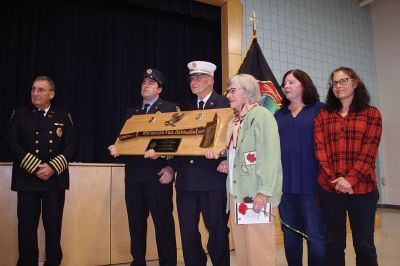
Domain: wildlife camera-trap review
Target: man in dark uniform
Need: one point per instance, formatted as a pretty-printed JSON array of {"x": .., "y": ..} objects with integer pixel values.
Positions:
[
  {"x": 199, "y": 186},
  {"x": 42, "y": 139},
  {"x": 148, "y": 183}
]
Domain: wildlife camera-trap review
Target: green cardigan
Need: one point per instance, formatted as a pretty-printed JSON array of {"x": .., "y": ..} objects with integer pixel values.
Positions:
[{"x": 259, "y": 134}]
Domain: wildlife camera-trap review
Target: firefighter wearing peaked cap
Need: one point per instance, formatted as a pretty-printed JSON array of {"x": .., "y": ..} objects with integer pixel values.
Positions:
[
  {"x": 148, "y": 183},
  {"x": 199, "y": 186},
  {"x": 201, "y": 67},
  {"x": 42, "y": 139},
  {"x": 155, "y": 75}
]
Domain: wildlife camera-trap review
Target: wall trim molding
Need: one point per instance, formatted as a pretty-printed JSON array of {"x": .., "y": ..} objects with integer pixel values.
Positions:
[
  {"x": 389, "y": 206},
  {"x": 231, "y": 36}
]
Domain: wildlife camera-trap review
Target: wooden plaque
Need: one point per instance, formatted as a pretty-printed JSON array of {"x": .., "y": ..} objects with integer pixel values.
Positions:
[{"x": 177, "y": 133}]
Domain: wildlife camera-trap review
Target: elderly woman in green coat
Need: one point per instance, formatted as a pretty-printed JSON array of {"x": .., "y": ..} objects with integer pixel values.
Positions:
[{"x": 254, "y": 170}]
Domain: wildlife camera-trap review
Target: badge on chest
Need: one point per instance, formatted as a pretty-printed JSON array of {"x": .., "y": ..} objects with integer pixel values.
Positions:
[{"x": 250, "y": 157}]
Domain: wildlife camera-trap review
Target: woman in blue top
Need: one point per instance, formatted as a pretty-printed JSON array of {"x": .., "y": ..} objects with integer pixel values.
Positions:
[{"x": 299, "y": 206}]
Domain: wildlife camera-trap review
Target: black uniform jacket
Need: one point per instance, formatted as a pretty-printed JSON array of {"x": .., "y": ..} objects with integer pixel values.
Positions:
[
  {"x": 34, "y": 139},
  {"x": 197, "y": 173},
  {"x": 137, "y": 168}
]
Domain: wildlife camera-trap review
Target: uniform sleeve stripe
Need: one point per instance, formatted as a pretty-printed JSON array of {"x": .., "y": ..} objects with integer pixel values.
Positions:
[
  {"x": 29, "y": 163},
  {"x": 26, "y": 157},
  {"x": 34, "y": 166},
  {"x": 55, "y": 164},
  {"x": 63, "y": 161},
  {"x": 59, "y": 163}
]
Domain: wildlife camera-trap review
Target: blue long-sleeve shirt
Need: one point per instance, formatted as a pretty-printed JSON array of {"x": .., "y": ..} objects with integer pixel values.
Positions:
[{"x": 299, "y": 164}]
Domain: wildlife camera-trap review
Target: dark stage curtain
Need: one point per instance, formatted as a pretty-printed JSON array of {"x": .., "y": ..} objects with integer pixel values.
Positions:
[{"x": 96, "y": 52}]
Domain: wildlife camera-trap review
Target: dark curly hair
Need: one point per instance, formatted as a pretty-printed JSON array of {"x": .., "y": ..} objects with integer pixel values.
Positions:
[
  {"x": 361, "y": 98},
  {"x": 310, "y": 93}
]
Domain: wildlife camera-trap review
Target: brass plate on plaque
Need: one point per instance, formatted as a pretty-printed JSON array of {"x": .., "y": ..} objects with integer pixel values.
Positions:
[
  {"x": 164, "y": 145},
  {"x": 197, "y": 130}
]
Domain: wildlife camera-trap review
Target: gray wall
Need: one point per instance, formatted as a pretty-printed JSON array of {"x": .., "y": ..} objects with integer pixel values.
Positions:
[{"x": 386, "y": 25}]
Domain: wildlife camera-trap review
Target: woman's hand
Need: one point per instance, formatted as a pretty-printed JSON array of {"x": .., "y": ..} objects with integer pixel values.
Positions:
[
  {"x": 342, "y": 185},
  {"x": 151, "y": 154},
  {"x": 259, "y": 202}
]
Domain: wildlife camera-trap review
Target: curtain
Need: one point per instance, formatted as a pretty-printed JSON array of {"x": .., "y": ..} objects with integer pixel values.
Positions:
[{"x": 96, "y": 52}]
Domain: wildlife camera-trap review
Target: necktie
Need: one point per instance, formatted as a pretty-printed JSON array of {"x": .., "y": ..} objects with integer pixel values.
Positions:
[
  {"x": 144, "y": 110},
  {"x": 41, "y": 113},
  {"x": 201, "y": 105}
]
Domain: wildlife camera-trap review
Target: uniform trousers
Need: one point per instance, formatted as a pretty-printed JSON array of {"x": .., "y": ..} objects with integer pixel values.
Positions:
[
  {"x": 212, "y": 205},
  {"x": 255, "y": 244},
  {"x": 29, "y": 206},
  {"x": 156, "y": 198}
]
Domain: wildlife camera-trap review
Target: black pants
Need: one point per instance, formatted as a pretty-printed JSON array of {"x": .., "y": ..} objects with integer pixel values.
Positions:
[
  {"x": 212, "y": 205},
  {"x": 30, "y": 205},
  {"x": 141, "y": 198},
  {"x": 361, "y": 209}
]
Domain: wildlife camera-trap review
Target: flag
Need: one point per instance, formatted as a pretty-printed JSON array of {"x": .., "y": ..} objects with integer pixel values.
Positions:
[{"x": 254, "y": 63}]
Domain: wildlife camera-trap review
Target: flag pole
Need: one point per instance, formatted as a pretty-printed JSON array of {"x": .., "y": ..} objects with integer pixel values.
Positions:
[{"x": 253, "y": 20}]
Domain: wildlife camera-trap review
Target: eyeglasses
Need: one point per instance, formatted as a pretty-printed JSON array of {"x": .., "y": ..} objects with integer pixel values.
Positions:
[
  {"x": 231, "y": 91},
  {"x": 342, "y": 81},
  {"x": 39, "y": 90},
  {"x": 196, "y": 77}
]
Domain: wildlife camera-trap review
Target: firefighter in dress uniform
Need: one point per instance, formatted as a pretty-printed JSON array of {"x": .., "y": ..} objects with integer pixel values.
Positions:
[{"x": 41, "y": 138}]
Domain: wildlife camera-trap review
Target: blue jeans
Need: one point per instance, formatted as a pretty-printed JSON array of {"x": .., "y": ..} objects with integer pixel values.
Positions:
[
  {"x": 302, "y": 213},
  {"x": 361, "y": 210}
]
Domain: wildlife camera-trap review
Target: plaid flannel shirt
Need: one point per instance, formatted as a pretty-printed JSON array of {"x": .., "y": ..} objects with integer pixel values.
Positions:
[{"x": 348, "y": 147}]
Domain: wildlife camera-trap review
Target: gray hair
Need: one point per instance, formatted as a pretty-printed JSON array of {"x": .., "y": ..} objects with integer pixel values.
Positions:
[
  {"x": 52, "y": 85},
  {"x": 250, "y": 86}
]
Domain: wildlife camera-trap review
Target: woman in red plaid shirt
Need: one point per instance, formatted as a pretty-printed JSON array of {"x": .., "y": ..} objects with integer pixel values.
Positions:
[{"x": 347, "y": 133}]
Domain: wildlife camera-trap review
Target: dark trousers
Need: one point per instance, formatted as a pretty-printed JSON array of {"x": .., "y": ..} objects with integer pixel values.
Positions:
[
  {"x": 302, "y": 213},
  {"x": 156, "y": 198},
  {"x": 30, "y": 205},
  {"x": 212, "y": 205},
  {"x": 361, "y": 210}
]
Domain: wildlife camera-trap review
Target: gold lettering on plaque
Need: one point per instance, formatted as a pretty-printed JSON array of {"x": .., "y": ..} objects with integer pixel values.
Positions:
[{"x": 208, "y": 132}]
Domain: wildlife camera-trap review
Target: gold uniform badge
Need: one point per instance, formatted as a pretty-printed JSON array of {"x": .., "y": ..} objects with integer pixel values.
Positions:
[{"x": 59, "y": 132}]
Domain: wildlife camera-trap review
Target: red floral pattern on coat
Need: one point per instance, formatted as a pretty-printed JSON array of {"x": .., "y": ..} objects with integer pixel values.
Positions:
[{"x": 251, "y": 157}]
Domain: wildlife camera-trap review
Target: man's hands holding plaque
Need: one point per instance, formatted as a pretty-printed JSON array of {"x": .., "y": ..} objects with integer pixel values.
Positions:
[
  {"x": 211, "y": 154},
  {"x": 113, "y": 151},
  {"x": 223, "y": 165},
  {"x": 151, "y": 154}
]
